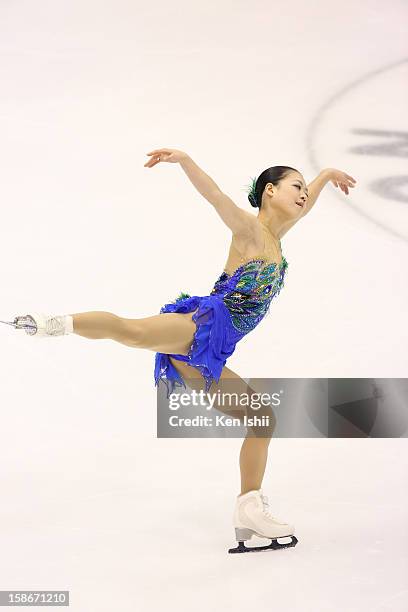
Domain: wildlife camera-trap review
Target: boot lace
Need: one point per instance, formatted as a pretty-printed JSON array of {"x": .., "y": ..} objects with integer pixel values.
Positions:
[
  {"x": 266, "y": 507},
  {"x": 54, "y": 326}
]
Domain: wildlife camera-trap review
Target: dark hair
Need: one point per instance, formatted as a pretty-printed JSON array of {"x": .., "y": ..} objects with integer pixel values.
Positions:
[{"x": 271, "y": 175}]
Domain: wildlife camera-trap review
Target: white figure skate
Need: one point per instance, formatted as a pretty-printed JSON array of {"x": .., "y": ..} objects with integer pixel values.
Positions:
[
  {"x": 252, "y": 517},
  {"x": 40, "y": 324}
]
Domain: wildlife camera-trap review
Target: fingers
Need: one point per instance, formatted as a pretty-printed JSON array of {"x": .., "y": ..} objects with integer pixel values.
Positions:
[
  {"x": 158, "y": 151},
  {"x": 344, "y": 176},
  {"x": 342, "y": 186},
  {"x": 152, "y": 162},
  {"x": 351, "y": 182},
  {"x": 344, "y": 181}
]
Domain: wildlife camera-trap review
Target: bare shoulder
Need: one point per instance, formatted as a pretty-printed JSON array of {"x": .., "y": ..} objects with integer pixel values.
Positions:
[{"x": 236, "y": 218}]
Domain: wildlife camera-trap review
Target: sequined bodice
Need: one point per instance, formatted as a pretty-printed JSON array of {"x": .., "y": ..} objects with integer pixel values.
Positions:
[{"x": 249, "y": 290}]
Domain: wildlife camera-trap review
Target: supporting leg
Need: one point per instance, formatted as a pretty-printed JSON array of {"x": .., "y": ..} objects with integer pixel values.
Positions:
[
  {"x": 252, "y": 461},
  {"x": 254, "y": 451}
]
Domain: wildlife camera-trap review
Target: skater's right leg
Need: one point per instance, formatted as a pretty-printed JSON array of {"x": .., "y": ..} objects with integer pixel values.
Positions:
[
  {"x": 251, "y": 514},
  {"x": 254, "y": 451}
]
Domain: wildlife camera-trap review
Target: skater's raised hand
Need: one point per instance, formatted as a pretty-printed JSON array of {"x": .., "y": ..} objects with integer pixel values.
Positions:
[
  {"x": 341, "y": 179},
  {"x": 173, "y": 156}
]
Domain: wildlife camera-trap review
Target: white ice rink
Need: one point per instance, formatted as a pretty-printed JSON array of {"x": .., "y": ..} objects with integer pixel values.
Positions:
[{"x": 91, "y": 500}]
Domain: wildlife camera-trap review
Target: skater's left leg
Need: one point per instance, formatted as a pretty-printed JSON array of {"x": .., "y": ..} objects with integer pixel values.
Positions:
[
  {"x": 171, "y": 333},
  {"x": 100, "y": 325},
  {"x": 254, "y": 451}
]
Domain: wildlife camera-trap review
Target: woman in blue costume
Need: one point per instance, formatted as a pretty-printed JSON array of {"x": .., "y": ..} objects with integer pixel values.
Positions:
[{"x": 193, "y": 336}]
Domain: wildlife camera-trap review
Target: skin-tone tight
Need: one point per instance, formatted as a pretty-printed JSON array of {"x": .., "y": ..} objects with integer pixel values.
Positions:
[{"x": 172, "y": 333}]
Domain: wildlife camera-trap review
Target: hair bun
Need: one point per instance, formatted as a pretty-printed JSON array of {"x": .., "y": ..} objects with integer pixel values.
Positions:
[{"x": 252, "y": 201}]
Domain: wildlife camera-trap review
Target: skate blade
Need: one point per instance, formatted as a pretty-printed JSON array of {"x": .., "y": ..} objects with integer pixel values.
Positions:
[
  {"x": 274, "y": 545},
  {"x": 14, "y": 324},
  {"x": 9, "y": 323}
]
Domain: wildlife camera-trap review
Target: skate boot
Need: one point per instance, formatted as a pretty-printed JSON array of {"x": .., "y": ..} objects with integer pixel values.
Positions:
[
  {"x": 40, "y": 324},
  {"x": 252, "y": 517}
]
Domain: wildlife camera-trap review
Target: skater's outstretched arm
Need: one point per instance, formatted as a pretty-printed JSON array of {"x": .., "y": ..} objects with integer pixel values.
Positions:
[
  {"x": 239, "y": 221},
  {"x": 337, "y": 177}
]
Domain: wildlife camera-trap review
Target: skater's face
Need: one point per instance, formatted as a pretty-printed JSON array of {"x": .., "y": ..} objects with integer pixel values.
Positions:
[{"x": 290, "y": 196}]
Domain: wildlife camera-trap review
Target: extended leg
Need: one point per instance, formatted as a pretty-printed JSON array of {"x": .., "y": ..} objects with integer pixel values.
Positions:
[
  {"x": 99, "y": 325},
  {"x": 164, "y": 333}
]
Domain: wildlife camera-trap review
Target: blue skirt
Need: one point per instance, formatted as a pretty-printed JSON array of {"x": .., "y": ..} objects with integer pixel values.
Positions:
[{"x": 214, "y": 341}]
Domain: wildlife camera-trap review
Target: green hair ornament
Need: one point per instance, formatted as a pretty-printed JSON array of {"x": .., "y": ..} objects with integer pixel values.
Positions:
[{"x": 251, "y": 191}]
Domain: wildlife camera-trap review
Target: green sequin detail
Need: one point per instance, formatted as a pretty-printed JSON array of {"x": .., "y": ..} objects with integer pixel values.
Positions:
[
  {"x": 182, "y": 296},
  {"x": 249, "y": 291}
]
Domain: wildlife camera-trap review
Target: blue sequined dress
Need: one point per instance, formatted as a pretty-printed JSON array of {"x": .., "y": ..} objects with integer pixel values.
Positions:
[{"x": 236, "y": 305}]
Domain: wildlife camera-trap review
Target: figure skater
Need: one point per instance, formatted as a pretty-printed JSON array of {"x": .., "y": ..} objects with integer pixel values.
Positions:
[{"x": 193, "y": 336}]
